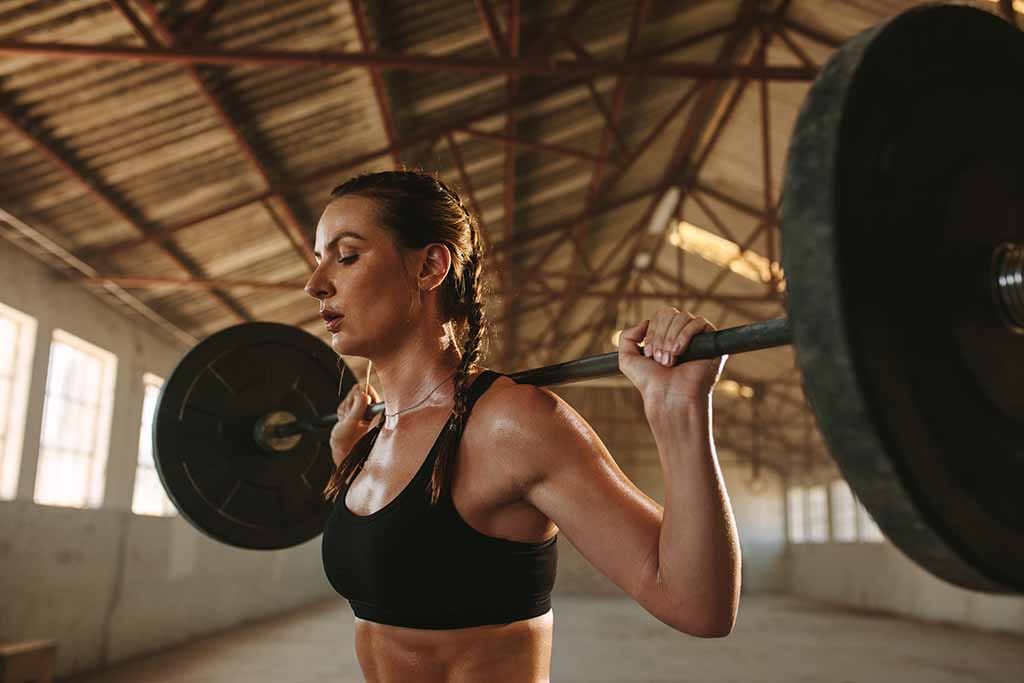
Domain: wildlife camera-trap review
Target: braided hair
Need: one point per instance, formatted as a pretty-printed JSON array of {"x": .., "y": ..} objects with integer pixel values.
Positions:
[{"x": 420, "y": 209}]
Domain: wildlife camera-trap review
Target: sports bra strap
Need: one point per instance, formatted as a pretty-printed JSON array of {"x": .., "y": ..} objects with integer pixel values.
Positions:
[{"x": 483, "y": 381}]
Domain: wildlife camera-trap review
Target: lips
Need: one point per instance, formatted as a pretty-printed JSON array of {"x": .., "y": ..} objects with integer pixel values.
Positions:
[{"x": 331, "y": 319}]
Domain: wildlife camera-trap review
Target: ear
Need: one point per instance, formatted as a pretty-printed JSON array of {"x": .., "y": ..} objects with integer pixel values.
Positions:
[{"x": 434, "y": 263}]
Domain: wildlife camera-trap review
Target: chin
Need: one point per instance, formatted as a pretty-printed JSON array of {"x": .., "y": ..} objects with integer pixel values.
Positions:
[{"x": 343, "y": 346}]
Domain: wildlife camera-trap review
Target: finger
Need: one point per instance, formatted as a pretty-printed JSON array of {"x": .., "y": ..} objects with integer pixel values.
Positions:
[
  {"x": 689, "y": 331},
  {"x": 345, "y": 404},
  {"x": 657, "y": 321},
  {"x": 364, "y": 404},
  {"x": 675, "y": 328},
  {"x": 648, "y": 340},
  {"x": 631, "y": 338},
  {"x": 672, "y": 339},
  {"x": 660, "y": 342}
]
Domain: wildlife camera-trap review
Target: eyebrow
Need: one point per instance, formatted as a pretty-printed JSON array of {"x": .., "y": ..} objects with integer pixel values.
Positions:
[{"x": 339, "y": 236}]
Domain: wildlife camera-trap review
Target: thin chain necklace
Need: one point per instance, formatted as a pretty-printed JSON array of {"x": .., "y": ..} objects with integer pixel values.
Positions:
[{"x": 405, "y": 410}]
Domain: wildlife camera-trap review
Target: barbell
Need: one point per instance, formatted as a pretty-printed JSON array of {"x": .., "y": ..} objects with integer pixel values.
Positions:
[{"x": 903, "y": 245}]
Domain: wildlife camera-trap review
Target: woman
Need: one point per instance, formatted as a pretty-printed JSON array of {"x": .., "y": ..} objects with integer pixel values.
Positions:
[{"x": 443, "y": 531}]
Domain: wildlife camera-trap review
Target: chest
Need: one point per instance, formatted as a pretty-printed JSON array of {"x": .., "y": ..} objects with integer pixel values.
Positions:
[{"x": 484, "y": 493}]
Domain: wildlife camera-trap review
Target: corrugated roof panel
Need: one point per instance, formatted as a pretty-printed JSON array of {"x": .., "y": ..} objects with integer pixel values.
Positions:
[
  {"x": 40, "y": 20},
  {"x": 283, "y": 24}
]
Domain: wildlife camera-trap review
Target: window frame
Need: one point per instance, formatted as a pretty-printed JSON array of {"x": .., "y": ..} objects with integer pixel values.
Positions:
[
  {"x": 796, "y": 497},
  {"x": 19, "y": 385},
  {"x": 45, "y": 492}
]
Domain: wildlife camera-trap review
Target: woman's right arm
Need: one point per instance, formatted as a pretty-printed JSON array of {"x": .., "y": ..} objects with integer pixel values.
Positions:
[{"x": 351, "y": 426}]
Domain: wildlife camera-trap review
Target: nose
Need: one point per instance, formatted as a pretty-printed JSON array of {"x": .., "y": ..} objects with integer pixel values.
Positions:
[{"x": 318, "y": 286}]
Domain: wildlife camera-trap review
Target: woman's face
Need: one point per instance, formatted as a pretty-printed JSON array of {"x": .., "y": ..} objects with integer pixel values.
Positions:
[{"x": 367, "y": 286}]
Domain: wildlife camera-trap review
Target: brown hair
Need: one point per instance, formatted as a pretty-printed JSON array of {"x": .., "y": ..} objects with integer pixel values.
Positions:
[{"x": 420, "y": 209}]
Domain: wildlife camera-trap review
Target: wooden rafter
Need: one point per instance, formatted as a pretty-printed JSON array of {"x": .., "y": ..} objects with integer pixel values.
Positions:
[
  {"x": 490, "y": 23},
  {"x": 326, "y": 59}
]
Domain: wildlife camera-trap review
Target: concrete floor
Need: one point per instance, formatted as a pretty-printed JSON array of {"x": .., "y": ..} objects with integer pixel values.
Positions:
[{"x": 599, "y": 640}]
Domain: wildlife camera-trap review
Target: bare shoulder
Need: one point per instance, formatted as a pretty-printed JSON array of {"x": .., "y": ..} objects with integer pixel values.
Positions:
[
  {"x": 528, "y": 427},
  {"x": 506, "y": 403}
]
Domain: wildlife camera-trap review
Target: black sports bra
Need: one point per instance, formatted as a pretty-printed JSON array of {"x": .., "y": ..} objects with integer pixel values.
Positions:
[{"x": 420, "y": 567}]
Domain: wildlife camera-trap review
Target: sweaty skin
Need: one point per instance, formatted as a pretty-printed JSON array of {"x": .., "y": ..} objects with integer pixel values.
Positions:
[{"x": 528, "y": 465}]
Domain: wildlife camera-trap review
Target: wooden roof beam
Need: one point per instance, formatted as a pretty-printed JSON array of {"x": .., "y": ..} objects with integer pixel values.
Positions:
[{"x": 326, "y": 59}]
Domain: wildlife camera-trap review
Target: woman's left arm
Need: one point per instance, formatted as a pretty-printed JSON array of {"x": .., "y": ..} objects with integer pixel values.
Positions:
[
  {"x": 698, "y": 547},
  {"x": 681, "y": 562}
]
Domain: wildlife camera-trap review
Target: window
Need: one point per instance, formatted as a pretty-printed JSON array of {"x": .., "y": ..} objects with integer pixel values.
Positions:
[
  {"x": 867, "y": 530},
  {"x": 817, "y": 514},
  {"x": 149, "y": 496},
  {"x": 795, "y": 504},
  {"x": 76, "y": 423},
  {"x": 17, "y": 341},
  {"x": 844, "y": 512}
]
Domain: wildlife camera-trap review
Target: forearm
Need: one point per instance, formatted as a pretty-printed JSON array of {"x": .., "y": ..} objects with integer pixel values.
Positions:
[{"x": 698, "y": 549}]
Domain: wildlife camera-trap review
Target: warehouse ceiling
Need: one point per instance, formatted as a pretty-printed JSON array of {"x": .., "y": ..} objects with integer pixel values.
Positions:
[{"x": 175, "y": 157}]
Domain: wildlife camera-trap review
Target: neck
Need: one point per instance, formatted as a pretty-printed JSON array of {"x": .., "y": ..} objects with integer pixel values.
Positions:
[{"x": 407, "y": 374}]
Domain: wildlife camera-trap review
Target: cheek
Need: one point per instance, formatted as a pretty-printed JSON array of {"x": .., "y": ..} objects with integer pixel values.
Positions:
[{"x": 376, "y": 296}]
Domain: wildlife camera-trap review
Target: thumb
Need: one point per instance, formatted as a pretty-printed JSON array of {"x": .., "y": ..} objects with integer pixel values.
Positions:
[
  {"x": 363, "y": 400},
  {"x": 630, "y": 339}
]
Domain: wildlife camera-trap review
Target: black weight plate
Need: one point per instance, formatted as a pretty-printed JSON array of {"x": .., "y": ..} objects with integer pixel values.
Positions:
[
  {"x": 205, "y": 454},
  {"x": 905, "y": 171}
]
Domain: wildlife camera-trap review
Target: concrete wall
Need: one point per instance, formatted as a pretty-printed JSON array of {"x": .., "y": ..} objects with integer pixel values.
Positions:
[
  {"x": 878, "y": 577},
  {"x": 108, "y": 584},
  {"x": 760, "y": 519}
]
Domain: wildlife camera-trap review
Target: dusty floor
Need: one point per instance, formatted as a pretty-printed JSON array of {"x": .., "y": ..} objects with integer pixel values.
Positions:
[{"x": 605, "y": 640}]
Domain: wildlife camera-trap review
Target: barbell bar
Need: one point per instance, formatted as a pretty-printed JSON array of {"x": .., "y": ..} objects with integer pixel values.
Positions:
[{"x": 754, "y": 337}]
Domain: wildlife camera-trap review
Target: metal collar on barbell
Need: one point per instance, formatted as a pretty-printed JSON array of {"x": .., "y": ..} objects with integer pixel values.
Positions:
[{"x": 1008, "y": 286}]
